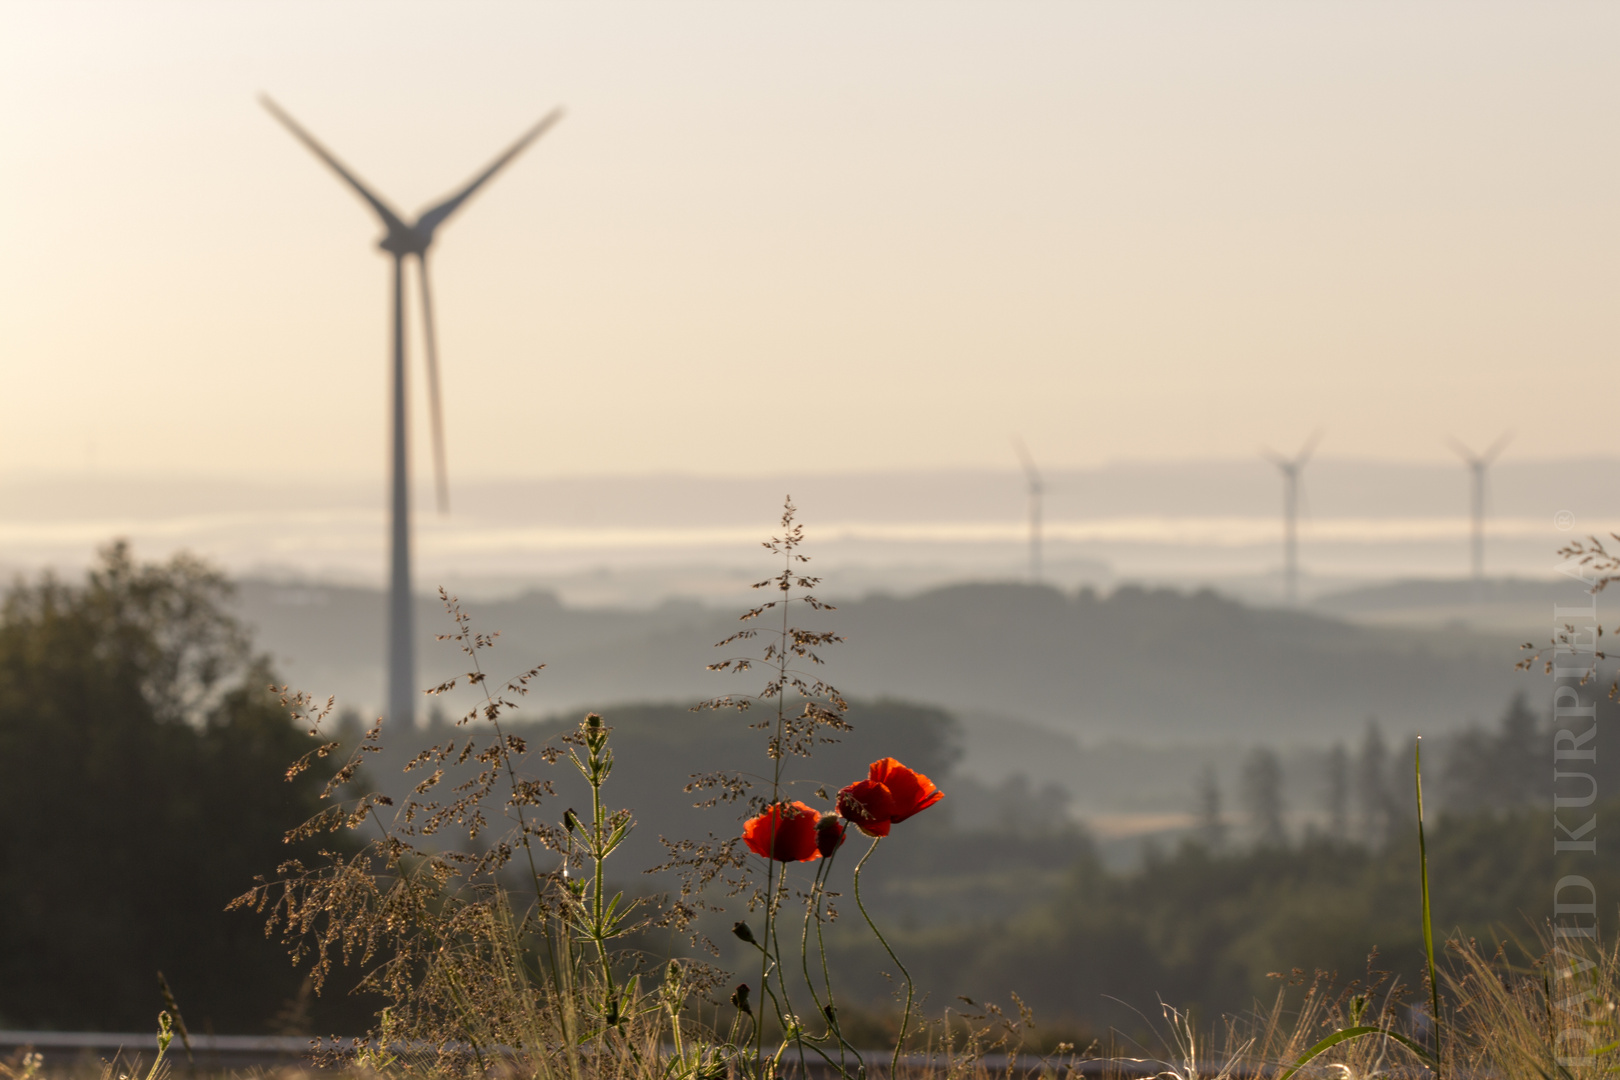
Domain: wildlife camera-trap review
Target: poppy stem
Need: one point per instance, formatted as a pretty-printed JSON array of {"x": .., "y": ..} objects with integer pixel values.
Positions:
[
  {"x": 765, "y": 961},
  {"x": 828, "y": 1009},
  {"x": 905, "y": 1017},
  {"x": 790, "y": 1023}
]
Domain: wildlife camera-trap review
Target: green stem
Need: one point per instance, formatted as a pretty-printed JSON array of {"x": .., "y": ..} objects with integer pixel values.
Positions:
[
  {"x": 782, "y": 1016},
  {"x": 781, "y": 978},
  {"x": 810, "y": 909},
  {"x": 598, "y": 930},
  {"x": 765, "y": 964},
  {"x": 830, "y": 1009},
  {"x": 905, "y": 1017},
  {"x": 771, "y": 886}
]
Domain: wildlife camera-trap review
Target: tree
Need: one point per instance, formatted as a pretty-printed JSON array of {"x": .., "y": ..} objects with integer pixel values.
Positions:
[
  {"x": 144, "y": 787},
  {"x": 1211, "y": 824},
  {"x": 1372, "y": 785},
  {"x": 1336, "y": 792},
  {"x": 1263, "y": 797},
  {"x": 1497, "y": 770}
]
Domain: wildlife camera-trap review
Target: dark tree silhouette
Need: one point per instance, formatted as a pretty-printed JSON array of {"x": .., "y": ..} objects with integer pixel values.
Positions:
[
  {"x": 1263, "y": 797},
  {"x": 144, "y": 787}
]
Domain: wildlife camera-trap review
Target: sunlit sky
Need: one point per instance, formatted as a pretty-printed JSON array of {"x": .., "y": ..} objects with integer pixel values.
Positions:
[{"x": 813, "y": 236}]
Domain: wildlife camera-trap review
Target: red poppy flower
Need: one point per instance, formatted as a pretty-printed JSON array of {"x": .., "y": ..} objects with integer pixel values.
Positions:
[
  {"x": 785, "y": 832},
  {"x": 867, "y": 804},
  {"x": 912, "y": 791},
  {"x": 829, "y": 835},
  {"x": 890, "y": 794}
]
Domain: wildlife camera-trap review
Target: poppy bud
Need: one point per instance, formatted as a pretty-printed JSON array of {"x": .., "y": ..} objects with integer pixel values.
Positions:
[
  {"x": 570, "y": 820},
  {"x": 829, "y": 835},
  {"x": 743, "y": 933},
  {"x": 739, "y": 998}
]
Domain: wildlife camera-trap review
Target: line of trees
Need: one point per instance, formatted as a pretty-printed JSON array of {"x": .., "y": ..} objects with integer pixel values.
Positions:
[
  {"x": 1367, "y": 797},
  {"x": 1208, "y": 930}
]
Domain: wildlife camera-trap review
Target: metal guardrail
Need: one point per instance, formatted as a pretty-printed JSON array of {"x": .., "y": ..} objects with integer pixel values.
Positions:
[
  {"x": 216, "y": 1052},
  {"x": 222, "y": 1053}
]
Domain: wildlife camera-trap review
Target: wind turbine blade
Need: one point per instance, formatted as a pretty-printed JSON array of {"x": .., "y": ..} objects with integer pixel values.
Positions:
[
  {"x": 1309, "y": 447},
  {"x": 1497, "y": 447},
  {"x": 1028, "y": 461},
  {"x": 390, "y": 219},
  {"x": 435, "y": 404},
  {"x": 1275, "y": 458},
  {"x": 1461, "y": 449},
  {"x": 433, "y": 217}
]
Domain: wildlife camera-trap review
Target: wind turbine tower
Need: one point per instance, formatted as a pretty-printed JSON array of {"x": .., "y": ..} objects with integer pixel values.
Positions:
[
  {"x": 1037, "y": 492},
  {"x": 403, "y": 240},
  {"x": 1292, "y": 469},
  {"x": 1477, "y": 465}
]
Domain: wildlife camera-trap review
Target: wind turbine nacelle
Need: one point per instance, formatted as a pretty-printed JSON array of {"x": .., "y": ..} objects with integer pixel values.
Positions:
[{"x": 405, "y": 242}]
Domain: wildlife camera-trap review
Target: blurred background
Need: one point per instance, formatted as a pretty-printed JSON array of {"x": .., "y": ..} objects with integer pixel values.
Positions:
[{"x": 1023, "y": 306}]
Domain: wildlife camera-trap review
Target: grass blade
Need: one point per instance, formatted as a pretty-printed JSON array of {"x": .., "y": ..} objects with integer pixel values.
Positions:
[
  {"x": 1346, "y": 1035},
  {"x": 1428, "y": 922}
]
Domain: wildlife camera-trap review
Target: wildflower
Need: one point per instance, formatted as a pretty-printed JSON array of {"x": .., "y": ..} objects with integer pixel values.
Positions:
[
  {"x": 829, "y": 835},
  {"x": 912, "y": 791},
  {"x": 890, "y": 794},
  {"x": 869, "y": 805},
  {"x": 785, "y": 832},
  {"x": 739, "y": 998}
]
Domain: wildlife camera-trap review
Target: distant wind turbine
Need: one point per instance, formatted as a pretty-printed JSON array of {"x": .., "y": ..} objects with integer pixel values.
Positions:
[
  {"x": 1477, "y": 464},
  {"x": 403, "y": 240},
  {"x": 1292, "y": 469},
  {"x": 1036, "y": 492}
]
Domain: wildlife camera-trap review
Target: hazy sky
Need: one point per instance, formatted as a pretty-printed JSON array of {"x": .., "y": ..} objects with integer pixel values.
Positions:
[{"x": 819, "y": 236}]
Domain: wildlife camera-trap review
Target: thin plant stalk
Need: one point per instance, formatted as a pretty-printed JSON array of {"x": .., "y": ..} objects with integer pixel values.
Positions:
[
  {"x": 905, "y": 1016},
  {"x": 828, "y": 1010},
  {"x": 772, "y": 886},
  {"x": 781, "y": 977},
  {"x": 832, "y": 1007},
  {"x": 1428, "y": 923},
  {"x": 765, "y": 962}
]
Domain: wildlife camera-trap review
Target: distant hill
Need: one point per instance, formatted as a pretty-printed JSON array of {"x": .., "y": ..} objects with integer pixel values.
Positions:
[
  {"x": 1144, "y": 665},
  {"x": 1519, "y": 606}
]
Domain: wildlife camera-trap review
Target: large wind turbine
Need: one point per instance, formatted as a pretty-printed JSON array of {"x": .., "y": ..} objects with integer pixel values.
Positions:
[
  {"x": 1291, "y": 469},
  {"x": 1477, "y": 464},
  {"x": 403, "y": 240},
  {"x": 1036, "y": 491}
]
